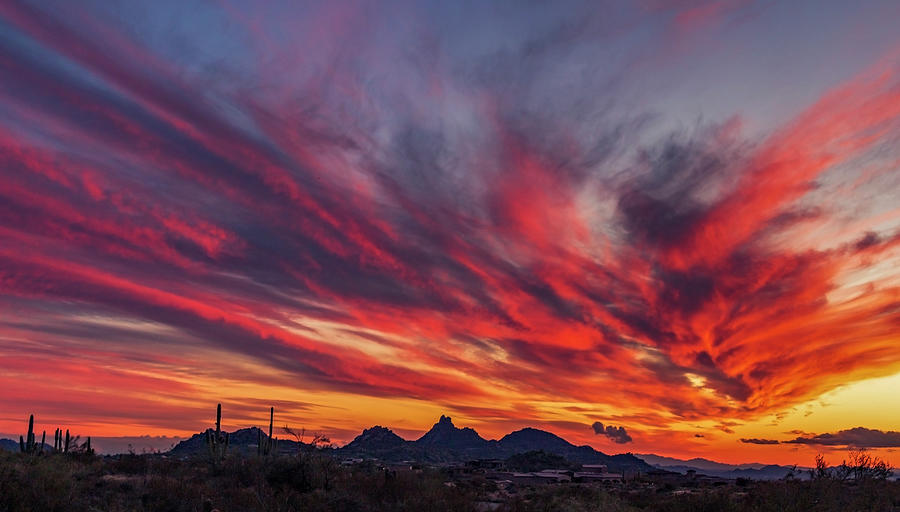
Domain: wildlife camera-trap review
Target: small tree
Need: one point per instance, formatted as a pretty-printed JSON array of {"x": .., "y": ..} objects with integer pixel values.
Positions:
[
  {"x": 861, "y": 466},
  {"x": 820, "y": 472}
]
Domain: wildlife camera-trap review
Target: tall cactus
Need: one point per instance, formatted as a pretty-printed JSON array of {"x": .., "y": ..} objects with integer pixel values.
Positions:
[
  {"x": 64, "y": 443},
  {"x": 27, "y": 444},
  {"x": 267, "y": 445},
  {"x": 217, "y": 443}
]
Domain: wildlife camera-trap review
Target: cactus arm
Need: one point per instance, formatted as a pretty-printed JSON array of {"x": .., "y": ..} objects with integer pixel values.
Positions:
[
  {"x": 218, "y": 420},
  {"x": 30, "y": 440}
]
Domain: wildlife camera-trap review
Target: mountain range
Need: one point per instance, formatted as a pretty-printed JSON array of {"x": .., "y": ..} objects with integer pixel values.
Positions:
[
  {"x": 445, "y": 442},
  {"x": 754, "y": 470}
]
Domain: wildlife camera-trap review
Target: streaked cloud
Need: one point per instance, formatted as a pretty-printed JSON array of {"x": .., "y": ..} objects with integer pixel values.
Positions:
[{"x": 477, "y": 220}]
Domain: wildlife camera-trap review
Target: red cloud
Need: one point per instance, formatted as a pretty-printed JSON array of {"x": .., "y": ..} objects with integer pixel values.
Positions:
[{"x": 339, "y": 251}]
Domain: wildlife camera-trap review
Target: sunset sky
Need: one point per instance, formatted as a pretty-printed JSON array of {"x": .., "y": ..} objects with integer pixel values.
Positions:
[{"x": 677, "y": 217}]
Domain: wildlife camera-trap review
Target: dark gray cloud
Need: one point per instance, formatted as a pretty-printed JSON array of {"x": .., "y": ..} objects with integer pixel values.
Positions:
[
  {"x": 754, "y": 440},
  {"x": 616, "y": 434},
  {"x": 859, "y": 437}
]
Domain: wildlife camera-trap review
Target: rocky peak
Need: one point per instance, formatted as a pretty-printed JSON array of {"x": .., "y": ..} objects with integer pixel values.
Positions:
[{"x": 447, "y": 435}]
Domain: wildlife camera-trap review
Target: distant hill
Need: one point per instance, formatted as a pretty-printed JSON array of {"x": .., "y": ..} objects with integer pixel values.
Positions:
[
  {"x": 13, "y": 446},
  {"x": 376, "y": 438},
  {"x": 696, "y": 463},
  {"x": 242, "y": 441},
  {"x": 755, "y": 471},
  {"x": 382, "y": 443}
]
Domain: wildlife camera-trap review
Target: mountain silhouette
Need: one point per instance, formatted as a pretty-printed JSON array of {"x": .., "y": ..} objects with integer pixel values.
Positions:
[
  {"x": 755, "y": 471},
  {"x": 444, "y": 442},
  {"x": 445, "y": 435},
  {"x": 533, "y": 439},
  {"x": 9, "y": 445},
  {"x": 376, "y": 438},
  {"x": 242, "y": 441}
]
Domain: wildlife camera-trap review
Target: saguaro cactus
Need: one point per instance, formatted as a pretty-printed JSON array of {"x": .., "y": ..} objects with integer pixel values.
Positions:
[
  {"x": 216, "y": 442},
  {"x": 267, "y": 445},
  {"x": 27, "y": 444}
]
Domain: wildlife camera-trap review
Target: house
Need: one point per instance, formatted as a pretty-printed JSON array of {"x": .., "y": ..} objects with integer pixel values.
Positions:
[
  {"x": 485, "y": 464},
  {"x": 540, "y": 478},
  {"x": 589, "y": 476}
]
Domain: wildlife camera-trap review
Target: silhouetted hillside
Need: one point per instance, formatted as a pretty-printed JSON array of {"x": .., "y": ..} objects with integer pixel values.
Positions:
[
  {"x": 444, "y": 434},
  {"x": 13, "y": 446},
  {"x": 377, "y": 437},
  {"x": 539, "y": 460},
  {"x": 243, "y": 441},
  {"x": 696, "y": 463},
  {"x": 755, "y": 471},
  {"x": 447, "y": 443},
  {"x": 534, "y": 439}
]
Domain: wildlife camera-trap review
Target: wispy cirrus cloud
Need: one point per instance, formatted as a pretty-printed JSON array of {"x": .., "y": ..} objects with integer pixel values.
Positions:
[{"x": 427, "y": 227}]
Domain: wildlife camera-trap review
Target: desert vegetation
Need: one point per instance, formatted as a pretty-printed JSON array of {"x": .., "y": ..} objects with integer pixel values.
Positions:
[
  {"x": 313, "y": 481},
  {"x": 71, "y": 477}
]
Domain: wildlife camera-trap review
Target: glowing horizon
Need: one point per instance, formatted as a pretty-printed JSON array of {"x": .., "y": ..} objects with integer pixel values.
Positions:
[{"x": 679, "y": 218}]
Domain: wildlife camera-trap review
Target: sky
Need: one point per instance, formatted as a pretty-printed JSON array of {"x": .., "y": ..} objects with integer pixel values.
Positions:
[{"x": 652, "y": 226}]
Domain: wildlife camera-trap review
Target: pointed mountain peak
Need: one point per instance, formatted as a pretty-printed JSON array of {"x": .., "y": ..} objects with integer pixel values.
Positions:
[{"x": 447, "y": 435}]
